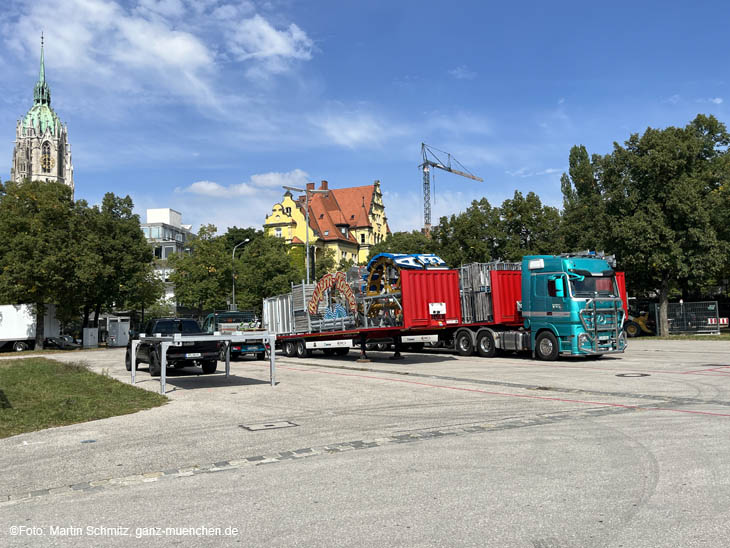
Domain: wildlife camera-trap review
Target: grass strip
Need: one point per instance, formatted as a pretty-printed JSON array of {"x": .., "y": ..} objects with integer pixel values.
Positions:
[{"x": 37, "y": 393}]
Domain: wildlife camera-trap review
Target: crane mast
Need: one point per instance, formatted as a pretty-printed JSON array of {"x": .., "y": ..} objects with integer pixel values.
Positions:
[{"x": 431, "y": 160}]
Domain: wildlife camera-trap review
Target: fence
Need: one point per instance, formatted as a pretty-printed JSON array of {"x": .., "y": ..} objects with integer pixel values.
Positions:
[{"x": 699, "y": 317}]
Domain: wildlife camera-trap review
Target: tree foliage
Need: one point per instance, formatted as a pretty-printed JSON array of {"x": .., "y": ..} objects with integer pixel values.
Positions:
[
  {"x": 657, "y": 200},
  {"x": 202, "y": 278},
  {"x": 36, "y": 259}
]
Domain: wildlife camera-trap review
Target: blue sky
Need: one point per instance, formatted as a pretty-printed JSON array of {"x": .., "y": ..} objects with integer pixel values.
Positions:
[{"x": 210, "y": 106}]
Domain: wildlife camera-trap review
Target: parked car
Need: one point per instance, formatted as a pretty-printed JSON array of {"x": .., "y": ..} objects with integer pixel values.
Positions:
[
  {"x": 230, "y": 322},
  {"x": 192, "y": 353}
]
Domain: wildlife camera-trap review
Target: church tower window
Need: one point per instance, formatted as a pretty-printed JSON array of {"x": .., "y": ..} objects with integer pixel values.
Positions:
[{"x": 46, "y": 158}]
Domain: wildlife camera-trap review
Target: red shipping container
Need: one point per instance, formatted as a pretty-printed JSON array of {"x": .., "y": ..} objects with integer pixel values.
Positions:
[
  {"x": 430, "y": 298},
  {"x": 621, "y": 283},
  {"x": 506, "y": 291}
]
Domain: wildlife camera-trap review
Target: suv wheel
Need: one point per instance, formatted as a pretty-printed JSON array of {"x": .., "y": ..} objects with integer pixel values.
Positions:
[{"x": 155, "y": 367}]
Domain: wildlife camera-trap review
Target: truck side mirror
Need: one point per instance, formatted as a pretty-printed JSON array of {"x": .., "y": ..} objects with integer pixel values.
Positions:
[{"x": 556, "y": 287}]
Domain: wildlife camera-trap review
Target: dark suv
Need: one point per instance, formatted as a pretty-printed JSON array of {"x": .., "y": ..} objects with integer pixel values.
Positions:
[{"x": 202, "y": 353}]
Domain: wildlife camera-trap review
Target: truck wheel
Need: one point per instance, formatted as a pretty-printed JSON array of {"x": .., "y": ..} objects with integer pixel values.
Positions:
[
  {"x": 20, "y": 346},
  {"x": 632, "y": 329},
  {"x": 260, "y": 355},
  {"x": 302, "y": 350},
  {"x": 463, "y": 344},
  {"x": 290, "y": 348},
  {"x": 417, "y": 347},
  {"x": 485, "y": 344},
  {"x": 546, "y": 347},
  {"x": 154, "y": 364},
  {"x": 209, "y": 366}
]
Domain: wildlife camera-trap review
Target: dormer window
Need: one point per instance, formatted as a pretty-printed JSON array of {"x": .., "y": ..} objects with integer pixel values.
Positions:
[
  {"x": 343, "y": 230},
  {"x": 326, "y": 232}
]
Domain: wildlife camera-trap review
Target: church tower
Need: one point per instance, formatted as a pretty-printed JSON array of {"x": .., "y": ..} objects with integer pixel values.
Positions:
[{"x": 42, "y": 151}]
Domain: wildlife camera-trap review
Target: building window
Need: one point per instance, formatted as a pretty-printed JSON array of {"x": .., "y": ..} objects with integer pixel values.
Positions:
[
  {"x": 343, "y": 230},
  {"x": 362, "y": 238},
  {"x": 46, "y": 157},
  {"x": 326, "y": 232},
  {"x": 277, "y": 232},
  {"x": 287, "y": 210}
]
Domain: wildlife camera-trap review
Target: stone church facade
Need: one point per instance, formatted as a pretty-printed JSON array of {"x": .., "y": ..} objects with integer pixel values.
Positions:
[{"x": 42, "y": 151}]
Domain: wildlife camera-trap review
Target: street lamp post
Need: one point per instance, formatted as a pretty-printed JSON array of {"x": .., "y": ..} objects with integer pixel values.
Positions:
[
  {"x": 306, "y": 216},
  {"x": 233, "y": 274}
]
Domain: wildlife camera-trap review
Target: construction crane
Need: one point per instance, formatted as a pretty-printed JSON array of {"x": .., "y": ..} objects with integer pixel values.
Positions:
[{"x": 431, "y": 159}]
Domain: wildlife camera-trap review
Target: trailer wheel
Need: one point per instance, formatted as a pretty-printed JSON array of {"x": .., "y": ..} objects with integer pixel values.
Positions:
[
  {"x": 209, "y": 366},
  {"x": 302, "y": 350},
  {"x": 260, "y": 355},
  {"x": 329, "y": 351},
  {"x": 290, "y": 348},
  {"x": 546, "y": 347},
  {"x": 344, "y": 351},
  {"x": 20, "y": 346},
  {"x": 155, "y": 367},
  {"x": 463, "y": 343},
  {"x": 485, "y": 344}
]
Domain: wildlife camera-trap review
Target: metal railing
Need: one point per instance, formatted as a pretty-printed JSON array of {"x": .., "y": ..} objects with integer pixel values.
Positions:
[{"x": 603, "y": 325}]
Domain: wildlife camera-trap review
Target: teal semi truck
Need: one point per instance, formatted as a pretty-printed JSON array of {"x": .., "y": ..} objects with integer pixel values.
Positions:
[
  {"x": 552, "y": 305},
  {"x": 572, "y": 304}
]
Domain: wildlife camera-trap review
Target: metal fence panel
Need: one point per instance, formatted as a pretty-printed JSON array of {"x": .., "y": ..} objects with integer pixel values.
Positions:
[{"x": 697, "y": 317}]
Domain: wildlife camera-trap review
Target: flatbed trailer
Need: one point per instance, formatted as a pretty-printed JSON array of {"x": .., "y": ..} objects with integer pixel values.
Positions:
[{"x": 572, "y": 304}]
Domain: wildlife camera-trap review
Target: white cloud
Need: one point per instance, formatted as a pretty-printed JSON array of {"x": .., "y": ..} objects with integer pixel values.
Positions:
[
  {"x": 713, "y": 100},
  {"x": 457, "y": 123},
  {"x": 263, "y": 183},
  {"x": 526, "y": 172},
  {"x": 672, "y": 99},
  {"x": 155, "y": 47},
  {"x": 353, "y": 129},
  {"x": 462, "y": 72}
]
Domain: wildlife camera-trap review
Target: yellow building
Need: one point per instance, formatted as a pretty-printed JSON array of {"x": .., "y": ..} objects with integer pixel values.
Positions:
[{"x": 345, "y": 220}]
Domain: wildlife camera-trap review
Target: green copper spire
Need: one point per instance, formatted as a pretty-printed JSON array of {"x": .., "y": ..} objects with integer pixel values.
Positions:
[
  {"x": 41, "y": 117},
  {"x": 42, "y": 93}
]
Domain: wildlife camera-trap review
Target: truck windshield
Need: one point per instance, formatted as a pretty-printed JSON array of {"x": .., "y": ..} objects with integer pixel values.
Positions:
[
  {"x": 591, "y": 286},
  {"x": 169, "y": 327}
]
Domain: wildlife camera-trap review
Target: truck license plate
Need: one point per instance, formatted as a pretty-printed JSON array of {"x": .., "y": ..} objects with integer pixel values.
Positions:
[{"x": 193, "y": 355}]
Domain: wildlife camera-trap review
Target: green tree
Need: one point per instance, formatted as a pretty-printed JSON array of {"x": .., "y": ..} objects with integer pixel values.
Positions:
[
  {"x": 326, "y": 262},
  {"x": 474, "y": 235},
  {"x": 112, "y": 257},
  {"x": 661, "y": 189},
  {"x": 529, "y": 227},
  {"x": 36, "y": 265},
  {"x": 264, "y": 269},
  {"x": 235, "y": 235},
  {"x": 203, "y": 278},
  {"x": 584, "y": 223}
]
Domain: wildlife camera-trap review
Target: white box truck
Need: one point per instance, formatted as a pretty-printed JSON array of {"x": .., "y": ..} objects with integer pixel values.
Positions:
[{"x": 17, "y": 325}]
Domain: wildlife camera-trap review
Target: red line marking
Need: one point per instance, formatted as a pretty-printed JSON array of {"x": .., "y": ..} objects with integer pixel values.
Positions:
[{"x": 507, "y": 394}]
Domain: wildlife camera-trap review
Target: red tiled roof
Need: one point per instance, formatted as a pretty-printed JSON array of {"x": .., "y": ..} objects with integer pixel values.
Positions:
[{"x": 341, "y": 207}]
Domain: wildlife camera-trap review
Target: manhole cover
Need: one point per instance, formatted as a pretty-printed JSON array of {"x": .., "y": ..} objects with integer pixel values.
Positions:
[
  {"x": 633, "y": 375},
  {"x": 267, "y": 425}
]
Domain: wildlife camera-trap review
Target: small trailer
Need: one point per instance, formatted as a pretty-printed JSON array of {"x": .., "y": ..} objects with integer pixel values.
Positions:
[
  {"x": 550, "y": 305},
  {"x": 18, "y": 325}
]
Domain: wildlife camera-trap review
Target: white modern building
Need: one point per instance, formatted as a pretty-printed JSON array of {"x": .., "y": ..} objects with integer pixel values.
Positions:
[{"x": 167, "y": 235}]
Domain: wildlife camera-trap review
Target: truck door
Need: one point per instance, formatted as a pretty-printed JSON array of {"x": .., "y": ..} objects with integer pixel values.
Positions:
[{"x": 548, "y": 297}]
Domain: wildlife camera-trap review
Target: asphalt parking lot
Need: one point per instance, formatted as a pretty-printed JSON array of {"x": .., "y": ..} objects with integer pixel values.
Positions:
[{"x": 434, "y": 450}]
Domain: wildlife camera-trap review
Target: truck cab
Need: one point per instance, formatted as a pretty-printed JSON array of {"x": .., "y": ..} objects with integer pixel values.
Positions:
[{"x": 572, "y": 305}]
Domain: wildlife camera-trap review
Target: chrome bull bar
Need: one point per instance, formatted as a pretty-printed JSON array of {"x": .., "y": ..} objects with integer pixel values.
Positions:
[{"x": 603, "y": 325}]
